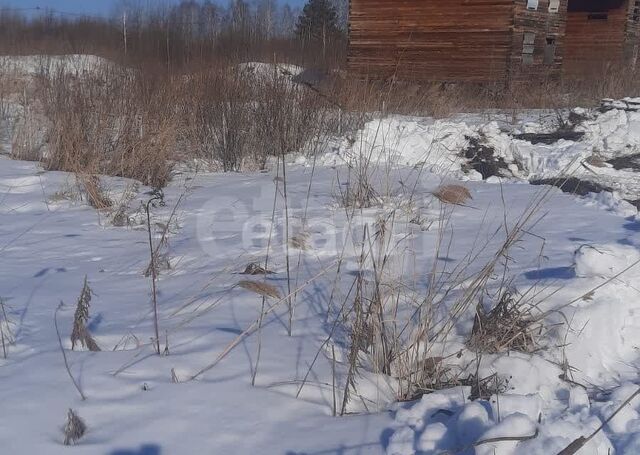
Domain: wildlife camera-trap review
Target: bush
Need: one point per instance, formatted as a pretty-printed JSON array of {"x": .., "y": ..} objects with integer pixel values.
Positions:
[{"x": 112, "y": 121}]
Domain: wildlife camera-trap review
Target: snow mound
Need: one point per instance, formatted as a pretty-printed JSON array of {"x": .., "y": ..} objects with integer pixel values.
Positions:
[
  {"x": 486, "y": 427},
  {"x": 446, "y": 146},
  {"x": 438, "y": 144},
  {"x": 614, "y": 132},
  {"x": 605, "y": 261},
  {"x": 408, "y": 141}
]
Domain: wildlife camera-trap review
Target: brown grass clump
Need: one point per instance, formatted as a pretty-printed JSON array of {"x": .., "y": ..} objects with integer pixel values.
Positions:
[
  {"x": 509, "y": 326},
  {"x": 453, "y": 194},
  {"x": 263, "y": 289}
]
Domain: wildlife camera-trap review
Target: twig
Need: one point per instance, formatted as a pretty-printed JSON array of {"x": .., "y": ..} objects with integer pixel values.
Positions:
[
  {"x": 252, "y": 327},
  {"x": 579, "y": 443},
  {"x": 490, "y": 441},
  {"x": 64, "y": 355},
  {"x": 156, "y": 197},
  {"x": 266, "y": 267}
]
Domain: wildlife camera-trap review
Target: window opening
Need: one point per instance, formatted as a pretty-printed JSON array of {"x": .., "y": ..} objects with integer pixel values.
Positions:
[
  {"x": 528, "y": 46},
  {"x": 550, "y": 50}
]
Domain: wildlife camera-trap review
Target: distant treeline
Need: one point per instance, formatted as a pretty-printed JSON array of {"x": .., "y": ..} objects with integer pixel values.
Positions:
[{"x": 186, "y": 35}]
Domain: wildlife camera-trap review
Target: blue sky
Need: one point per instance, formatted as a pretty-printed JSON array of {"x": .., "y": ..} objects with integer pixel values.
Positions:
[{"x": 99, "y": 7}]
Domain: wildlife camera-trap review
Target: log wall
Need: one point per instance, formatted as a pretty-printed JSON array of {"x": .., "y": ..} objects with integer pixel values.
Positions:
[
  {"x": 431, "y": 40},
  {"x": 596, "y": 41},
  {"x": 547, "y": 27},
  {"x": 632, "y": 40},
  {"x": 488, "y": 40}
]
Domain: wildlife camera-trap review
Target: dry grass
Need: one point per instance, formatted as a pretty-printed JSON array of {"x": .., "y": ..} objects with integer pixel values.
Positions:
[
  {"x": 509, "y": 326},
  {"x": 300, "y": 241},
  {"x": 220, "y": 111},
  {"x": 440, "y": 100},
  {"x": 95, "y": 193},
  {"x": 74, "y": 428},
  {"x": 138, "y": 122},
  {"x": 113, "y": 121},
  {"x": 453, "y": 194},
  {"x": 260, "y": 288}
]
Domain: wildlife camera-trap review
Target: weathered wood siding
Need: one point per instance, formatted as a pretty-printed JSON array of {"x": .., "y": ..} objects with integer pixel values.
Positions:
[
  {"x": 632, "y": 43},
  {"x": 431, "y": 40},
  {"x": 594, "y": 43},
  {"x": 547, "y": 28}
]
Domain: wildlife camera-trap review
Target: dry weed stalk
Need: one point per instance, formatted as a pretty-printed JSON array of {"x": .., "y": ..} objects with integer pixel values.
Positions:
[
  {"x": 6, "y": 333},
  {"x": 253, "y": 327},
  {"x": 64, "y": 354},
  {"x": 80, "y": 333},
  {"x": 265, "y": 271},
  {"x": 157, "y": 197},
  {"x": 357, "y": 344},
  {"x": 405, "y": 348},
  {"x": 74, "y": 428}
]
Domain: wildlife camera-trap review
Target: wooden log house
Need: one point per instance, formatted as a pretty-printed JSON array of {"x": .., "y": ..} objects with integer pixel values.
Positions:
[{"x": 491, "y": 40}]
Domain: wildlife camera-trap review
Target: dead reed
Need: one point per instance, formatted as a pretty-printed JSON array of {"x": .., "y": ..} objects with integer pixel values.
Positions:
[{"x": 260, "y": 288}]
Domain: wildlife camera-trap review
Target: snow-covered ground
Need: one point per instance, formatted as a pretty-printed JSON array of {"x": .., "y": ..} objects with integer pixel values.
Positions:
[
  {"x": 48, "y": 244},
  {"x": 574, "y": 262}
]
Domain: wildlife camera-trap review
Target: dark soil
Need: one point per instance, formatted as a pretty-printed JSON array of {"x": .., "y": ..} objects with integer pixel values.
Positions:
[
  {"x": 635, "y": 203},
  {"x": 573, "y": 185},
  {"x": 550, "y": 138},
  {"x": 626, "y": 162},
  {"x": 482, "y": 158}
]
